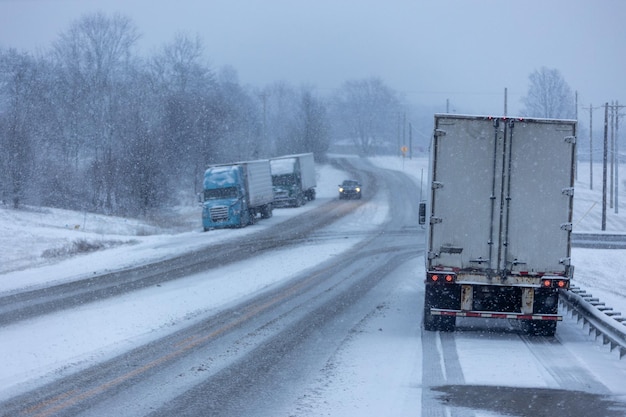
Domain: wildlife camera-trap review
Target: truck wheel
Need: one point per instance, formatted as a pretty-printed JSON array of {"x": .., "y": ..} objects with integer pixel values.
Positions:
[
  {"x": 539, "y": 328},
  {"x": 243, "y": 221},
  {"x": 266, "y": 211},
  {"x": 438, "y": 323},
  {"x": 434, "y": 323},
  {"x": 431, "y": 323}
]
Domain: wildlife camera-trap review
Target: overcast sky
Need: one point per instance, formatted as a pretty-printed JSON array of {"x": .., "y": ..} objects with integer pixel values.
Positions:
[{"x": 464, "y": 51}]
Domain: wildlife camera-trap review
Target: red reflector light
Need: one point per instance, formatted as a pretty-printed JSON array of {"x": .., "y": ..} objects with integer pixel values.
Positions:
[
  {"x": 441, "y": 278},
  {"x": 546, "y": 283},
  {"x": 561, "y": 284}
]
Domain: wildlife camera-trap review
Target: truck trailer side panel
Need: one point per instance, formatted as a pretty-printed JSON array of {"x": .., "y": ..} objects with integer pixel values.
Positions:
[
  {"x": 307, "y": 170},
  {"x": 259, "y": 182}
]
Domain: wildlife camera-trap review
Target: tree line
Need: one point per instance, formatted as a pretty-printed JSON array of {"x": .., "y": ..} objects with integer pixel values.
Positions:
[{"x": 91, "y": 125}]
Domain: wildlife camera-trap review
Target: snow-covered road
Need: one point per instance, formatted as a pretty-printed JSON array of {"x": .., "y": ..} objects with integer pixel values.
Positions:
[{"x": 378, "y": 370}]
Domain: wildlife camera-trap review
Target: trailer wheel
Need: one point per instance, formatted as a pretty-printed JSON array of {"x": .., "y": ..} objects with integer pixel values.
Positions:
[
  {"x": 431, "y": 323},
  {"x": 251, "y": 217},
  {"x": 434, "y": 323},
  {"x": 266, "y": 211},
  {"x": 539, "y": 328},
  {"x": 438, "y": 323}
]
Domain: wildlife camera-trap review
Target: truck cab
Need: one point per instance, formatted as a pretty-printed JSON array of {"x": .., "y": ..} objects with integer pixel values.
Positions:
[
  {"x": 286, "y": 181},
  {"x": 224, "y": 203},
  {"x": 293, "y": 179}
]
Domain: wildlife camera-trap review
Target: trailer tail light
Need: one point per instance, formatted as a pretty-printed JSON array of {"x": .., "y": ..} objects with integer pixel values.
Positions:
[
  {"x": 441, "y": 278},
  {"x": 555, "y": 283}
]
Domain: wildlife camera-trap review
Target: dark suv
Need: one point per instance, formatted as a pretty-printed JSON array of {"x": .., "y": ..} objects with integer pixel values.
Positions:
[{"x": 349, "y": 189}]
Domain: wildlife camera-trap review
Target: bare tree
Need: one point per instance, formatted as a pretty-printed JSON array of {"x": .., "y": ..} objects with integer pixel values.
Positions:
[
  {"x": 278, "y": 102},
  {"x": 549, "y": 96},
  {"x": 310, "y": 132},
  {"x": 368, "y": 110},
  {"x": 18, "y": 87},
  {"x": 185, "y": 85},
  {"x": 94, "y": 57},
  {"x": 179, "y": 67}
]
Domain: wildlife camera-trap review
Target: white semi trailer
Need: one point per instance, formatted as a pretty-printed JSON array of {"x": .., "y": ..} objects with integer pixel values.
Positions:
[
  {"x": 499, "y": 220},
  {"x": 294, "y": 179}
]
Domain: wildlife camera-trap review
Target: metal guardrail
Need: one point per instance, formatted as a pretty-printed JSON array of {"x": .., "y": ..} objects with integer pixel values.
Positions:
[
  {"x": 599, "y": 240},
  {"x": 602, "y": 321}
]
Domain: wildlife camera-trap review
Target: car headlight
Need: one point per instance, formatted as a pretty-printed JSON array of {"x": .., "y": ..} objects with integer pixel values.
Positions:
[
  {"x": 340, "y": 189},
  {"x": 358, "y": 189}
]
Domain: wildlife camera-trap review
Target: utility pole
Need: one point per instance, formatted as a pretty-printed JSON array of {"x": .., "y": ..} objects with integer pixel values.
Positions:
[
  {"x": 410, "y": 141},
  {"x": 590, "y": 147},
  {"x": 263, "y": 96},
  {"x": 616, "y": 158},
  {"x": 399, "y": 138},
  {"x": 403, "y": 131},
  {"x": 604, "y": 161},
  {"x": 612, "y": 121},
  {"x": 576, "y": 156}
]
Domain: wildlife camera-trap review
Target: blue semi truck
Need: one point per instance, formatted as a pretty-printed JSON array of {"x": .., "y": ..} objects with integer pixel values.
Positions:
[{"x": 234, "y": 195}]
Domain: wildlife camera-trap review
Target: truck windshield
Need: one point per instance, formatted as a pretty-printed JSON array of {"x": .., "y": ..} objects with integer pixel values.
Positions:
[
  {"x": 285, "y": 179},
  {"x": 220, "y": 193}
]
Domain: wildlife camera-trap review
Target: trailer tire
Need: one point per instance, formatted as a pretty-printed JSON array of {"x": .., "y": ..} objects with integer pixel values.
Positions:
[
  {"x": 251, "y": 217},
  {"x": 266, "y": 211},
  {"x": 539, "y": 328},
  {"x": 433, "y": 323}
]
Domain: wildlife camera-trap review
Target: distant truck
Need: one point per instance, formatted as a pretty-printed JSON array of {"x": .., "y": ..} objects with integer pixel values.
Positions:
[
  {"x": 499, "y": 220},
  {"x": 293, "y": 178},
  {"x": 235, "y": 194}
]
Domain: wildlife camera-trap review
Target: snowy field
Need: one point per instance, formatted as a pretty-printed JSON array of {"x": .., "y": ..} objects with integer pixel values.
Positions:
[{"x": 37, "y": 246}]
